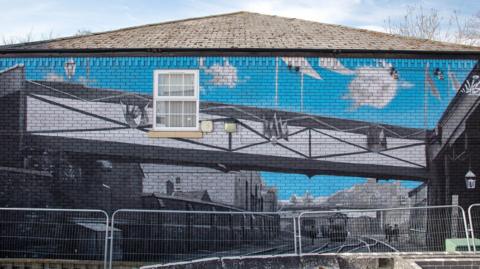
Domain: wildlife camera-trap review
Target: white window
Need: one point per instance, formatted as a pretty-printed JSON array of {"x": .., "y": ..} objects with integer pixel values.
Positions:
[{"x": 176, "y": 100}]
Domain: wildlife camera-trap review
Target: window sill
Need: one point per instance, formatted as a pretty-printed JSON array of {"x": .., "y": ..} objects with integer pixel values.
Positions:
[{"x": 175, "y": 134}]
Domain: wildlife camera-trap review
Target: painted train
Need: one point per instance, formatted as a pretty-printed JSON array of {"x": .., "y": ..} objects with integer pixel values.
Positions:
[
  {"x": 174, "y": 233},
  {"x": 333, "y": 227},
  {"x": 179, "y": 233}
]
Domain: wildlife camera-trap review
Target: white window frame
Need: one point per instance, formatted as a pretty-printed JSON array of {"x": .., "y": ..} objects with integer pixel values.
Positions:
[{"x": 195, "y": 98}]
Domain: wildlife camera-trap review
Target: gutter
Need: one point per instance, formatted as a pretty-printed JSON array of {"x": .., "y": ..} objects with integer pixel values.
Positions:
[{"x": 16, "y": 52}]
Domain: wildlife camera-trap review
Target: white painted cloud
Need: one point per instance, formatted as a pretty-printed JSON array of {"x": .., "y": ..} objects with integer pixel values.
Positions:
[
  {"x": 52, "y": 76},
  {"x": 334, "y": 65},
  {"x": 222, "y": 74},
  {"x": 374, "y": 87},
  {"x": 303, "y": 65}
]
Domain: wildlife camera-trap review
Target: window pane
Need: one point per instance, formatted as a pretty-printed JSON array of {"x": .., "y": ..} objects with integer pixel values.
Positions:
[
  {"x": 189, "y": 79},
  {"x": 176, "y": 79},
  {"x": 163, "y": 83},
  {"x": 190, "y": 107},
  {"x": 162, "y": 121},
  {"x": 189, "y": 91},
  {"x": 189, "y": 120},
  {"x": 163, "y": 90},
  {"x": 162, "y": 107},
  {"x": 162, "y": 113},
  {"x": 176, "y": 107},
  {"x": 175, "y": 120},
  {"x": 176, "y": 90},
  {"x": 163, "y": 79},
  {"x": 189, "y": 84}
]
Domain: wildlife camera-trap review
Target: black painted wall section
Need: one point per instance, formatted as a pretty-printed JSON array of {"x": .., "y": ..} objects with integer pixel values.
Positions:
[
  {"x": 26, "y": 188},
  {"x": 12, "y": 119},
  {"x": 83, "y": 183}
]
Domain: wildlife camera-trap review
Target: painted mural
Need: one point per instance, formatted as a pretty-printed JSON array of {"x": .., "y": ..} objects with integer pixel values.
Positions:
[
  {"x": 362, "y": 89},
  {"x": 410, "y": 94}
]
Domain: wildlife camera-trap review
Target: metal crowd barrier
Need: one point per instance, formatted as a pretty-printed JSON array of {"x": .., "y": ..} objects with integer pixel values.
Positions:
[
  {"x": 474, "y": 220},
  {"x": 74, "y": 234},
  {"x": 166, "y": 236},
  {"x": 153, "y": 236},
  {"x": 415, "y": 229}
]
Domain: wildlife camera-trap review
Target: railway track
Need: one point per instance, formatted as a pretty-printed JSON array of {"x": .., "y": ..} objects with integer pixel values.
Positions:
[
  {"x": 378, "y": 243},
  {"x": 361, "y": 244}
]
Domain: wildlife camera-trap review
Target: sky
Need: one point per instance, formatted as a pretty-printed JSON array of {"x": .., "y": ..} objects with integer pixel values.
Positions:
[{"x": 56, "y": 18}]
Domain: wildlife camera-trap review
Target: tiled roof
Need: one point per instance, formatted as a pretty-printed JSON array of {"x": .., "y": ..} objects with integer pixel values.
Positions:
[{"x": 245, "y": 30}]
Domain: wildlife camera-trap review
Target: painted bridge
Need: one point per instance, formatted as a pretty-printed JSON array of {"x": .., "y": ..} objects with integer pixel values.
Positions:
[{"x": 116, "y": 125}]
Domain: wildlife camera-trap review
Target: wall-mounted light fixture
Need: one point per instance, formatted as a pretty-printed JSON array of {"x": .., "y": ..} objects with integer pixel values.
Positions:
[
  {"x": 206, "y": 126},
  {"x": 230, "y": 127},
  {"x": 470, "y": 180},
  {"x": 394, "y": 73},
  {"x": 438, "y": 74}
]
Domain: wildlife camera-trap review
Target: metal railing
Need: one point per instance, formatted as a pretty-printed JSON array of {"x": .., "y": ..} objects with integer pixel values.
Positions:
[
  {"x": 166, "y": 236},
  {"x": 153, "y": 236},
  {"x": 474, "y": 221},
  {"x": 74, "y": 234},
  {"x": 415, "y": 229}
]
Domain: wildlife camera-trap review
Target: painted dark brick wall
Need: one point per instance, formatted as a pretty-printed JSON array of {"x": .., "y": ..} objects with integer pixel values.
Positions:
[{"x": 12, "y": 121}]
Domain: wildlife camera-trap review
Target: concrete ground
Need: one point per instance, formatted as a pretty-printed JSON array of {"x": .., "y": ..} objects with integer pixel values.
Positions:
[{"x": 335, "y": 261}]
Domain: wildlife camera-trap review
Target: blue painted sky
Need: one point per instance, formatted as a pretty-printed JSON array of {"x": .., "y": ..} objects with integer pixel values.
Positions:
[
  {"x": 329, "y": 96},
  {"x": 288, "y": 184},
  {"x": 62, "y": 18}
]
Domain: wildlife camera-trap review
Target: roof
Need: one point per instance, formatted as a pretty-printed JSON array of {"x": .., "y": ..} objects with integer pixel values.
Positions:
[
  {"x": 201, "y": 195},
  {"x": 164, "y": 196},
  {"x": 244, "y": 30}
]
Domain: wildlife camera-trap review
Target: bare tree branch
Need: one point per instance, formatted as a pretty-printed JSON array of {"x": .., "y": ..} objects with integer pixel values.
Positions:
[
  {"x": 15, "y": 39},
  {"x": 417, "y": 23},
  {"x": 429, "y": 24},
  {"x": 30, "y": 37},
  {"x": 82, "y": 32}
]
